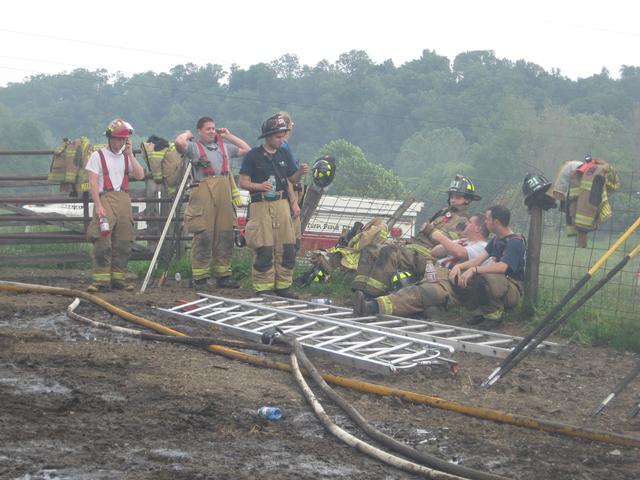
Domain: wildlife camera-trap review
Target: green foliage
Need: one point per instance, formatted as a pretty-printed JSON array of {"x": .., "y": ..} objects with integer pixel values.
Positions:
[{"x": 355, "y": 176}]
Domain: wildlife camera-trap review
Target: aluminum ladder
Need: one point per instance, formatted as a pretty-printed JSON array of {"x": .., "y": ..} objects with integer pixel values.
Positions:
[
  {"x": 460, "y": 338},
  {"x": 346, "y": 342}
]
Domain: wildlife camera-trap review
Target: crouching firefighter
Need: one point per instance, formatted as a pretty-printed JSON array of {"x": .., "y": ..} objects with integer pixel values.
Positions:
[
  {"x": 112, "y": 229},
  {"x": 267, "y": 172},
  {"x": 489, "y": 282},
  {"x": 210, "y": 214},
  {"x": 378, "y": 263}
]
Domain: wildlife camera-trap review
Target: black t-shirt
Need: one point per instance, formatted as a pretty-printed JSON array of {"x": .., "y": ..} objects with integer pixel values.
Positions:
[
  {"x": 259, "y": 166},
  {"x": 510, "y": 250}
]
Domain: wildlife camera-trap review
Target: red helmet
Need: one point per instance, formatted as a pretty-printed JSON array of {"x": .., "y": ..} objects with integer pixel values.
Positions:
[{"x": 119, "y": 128}]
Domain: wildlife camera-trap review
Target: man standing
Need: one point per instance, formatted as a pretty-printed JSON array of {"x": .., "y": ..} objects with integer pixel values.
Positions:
[
  {"x": 414, "y": 299},
  {"x": 378, "y": 263},
  {"x": 112, "y": 229},
  {"x": 267, "y": 172},
  {"x": 210, "y": 215}
]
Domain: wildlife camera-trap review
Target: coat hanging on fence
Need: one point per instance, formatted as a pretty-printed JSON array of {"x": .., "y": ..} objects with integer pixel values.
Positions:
[
  {"x": 67, "y": 165},
  {"x": 164, "y": 161},
  {"x": 584, "y": 189}
]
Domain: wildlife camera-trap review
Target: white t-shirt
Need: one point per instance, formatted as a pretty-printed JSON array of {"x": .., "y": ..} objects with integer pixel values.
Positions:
[
  {"x": 473, "y": 248},
  {"x": 115, "y": 165}
]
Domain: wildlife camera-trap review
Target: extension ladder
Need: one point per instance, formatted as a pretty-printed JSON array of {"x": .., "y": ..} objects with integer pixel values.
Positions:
[
  {"x": 347, "y": 342},
  {"x": 460, "y": 338}
]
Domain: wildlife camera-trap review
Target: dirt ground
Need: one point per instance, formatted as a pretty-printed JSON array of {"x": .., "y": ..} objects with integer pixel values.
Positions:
[{"x": 82, "y": 403}]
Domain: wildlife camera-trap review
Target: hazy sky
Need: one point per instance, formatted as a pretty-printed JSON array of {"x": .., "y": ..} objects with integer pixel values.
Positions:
[{"x": 579, "y": 38}]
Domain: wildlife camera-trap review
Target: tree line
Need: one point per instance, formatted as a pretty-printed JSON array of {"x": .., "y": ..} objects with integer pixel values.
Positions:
[{"x": 394, "y": 129}]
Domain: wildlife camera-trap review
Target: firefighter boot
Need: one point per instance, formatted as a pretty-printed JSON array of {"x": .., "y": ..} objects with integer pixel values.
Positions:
[
  {"x": 363, "y": 307},
  {"x": 227, "y": 282}
]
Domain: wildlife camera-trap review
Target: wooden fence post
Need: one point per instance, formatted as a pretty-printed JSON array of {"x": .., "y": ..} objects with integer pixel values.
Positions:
[{"x": 534, "y": 244}]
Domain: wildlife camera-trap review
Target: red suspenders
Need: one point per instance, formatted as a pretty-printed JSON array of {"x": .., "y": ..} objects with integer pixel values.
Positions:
[{"x": 108, "y": 186}]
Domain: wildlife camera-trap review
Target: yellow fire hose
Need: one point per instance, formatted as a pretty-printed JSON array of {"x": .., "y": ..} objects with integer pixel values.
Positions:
[{"x": 358, "y": 385}]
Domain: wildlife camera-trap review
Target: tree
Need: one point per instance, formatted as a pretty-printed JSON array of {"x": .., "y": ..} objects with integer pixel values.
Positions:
[{"x": 357, "y": 177}]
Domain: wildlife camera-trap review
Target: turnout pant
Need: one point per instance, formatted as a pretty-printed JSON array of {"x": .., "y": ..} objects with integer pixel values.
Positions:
[
  {"x": 489, "y": 293},
  {"x": 210, "y": 217},
  {"x": 378, "y": 263},
  {"x": 270, "y": 236},
  {"x": 111, "y": 253}
]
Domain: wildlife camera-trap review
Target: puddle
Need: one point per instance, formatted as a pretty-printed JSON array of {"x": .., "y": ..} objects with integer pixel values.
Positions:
[{"x": 28, "y": 383}]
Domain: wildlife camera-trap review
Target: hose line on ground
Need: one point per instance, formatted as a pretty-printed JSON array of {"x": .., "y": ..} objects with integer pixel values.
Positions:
[
  {"x": 374, "y": 433},
  {"x": 358, "y": 385},
  {"x": 358, "y": 444}
]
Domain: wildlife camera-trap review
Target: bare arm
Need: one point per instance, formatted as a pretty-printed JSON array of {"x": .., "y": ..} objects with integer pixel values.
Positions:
[
  {"x": 246, "y": 184},
  {"x": 454, "y": 248},
  {"x": 243, "y": 147},
  {"x": 295, "y": 208},
  {"x": 95, "y": 194},
  {"x": 138, "y": 171},
  {"x": 182, "y": 139}
]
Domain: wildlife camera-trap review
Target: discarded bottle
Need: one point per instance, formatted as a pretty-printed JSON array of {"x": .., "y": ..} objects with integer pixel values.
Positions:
[
  {"x": 270, "y": 413},
  {"x": 104, "y": 227},
  {"x": 430, "y": 272},
  {"x": 322, "y": 301},
  {"x": 177, "y": 277},
  {"x": 271, "y": 193}
]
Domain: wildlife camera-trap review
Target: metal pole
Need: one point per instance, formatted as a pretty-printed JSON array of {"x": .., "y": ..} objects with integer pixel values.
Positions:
[
  {"x": 550, "y": 326},
  {"x": 167, "y": 224},
  {"x": 618, "y": 388},
  {"x": 525, "y": 343}
]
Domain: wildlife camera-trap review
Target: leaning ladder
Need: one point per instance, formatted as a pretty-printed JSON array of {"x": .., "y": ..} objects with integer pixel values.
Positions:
[
  {"x": 347, "y": 342},
  {"x": 460, "y": 338}
]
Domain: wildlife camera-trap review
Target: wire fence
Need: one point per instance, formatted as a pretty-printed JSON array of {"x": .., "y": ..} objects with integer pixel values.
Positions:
[{"x": 562, "y": 263}]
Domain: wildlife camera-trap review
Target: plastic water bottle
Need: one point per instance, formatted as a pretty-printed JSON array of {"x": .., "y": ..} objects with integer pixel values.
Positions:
[
  {"x": 271, "y": 193},
  {"x": 178, "y": 277},
  {"x": 322, "y": 301},
  {"x": 430, "y": 272},
  {"x": 270, "y": 413},
  {"x": 104, "y": 227}
]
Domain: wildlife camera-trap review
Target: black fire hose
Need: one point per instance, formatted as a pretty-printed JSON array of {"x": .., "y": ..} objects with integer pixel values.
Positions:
[{"x": 387, "y": 441}]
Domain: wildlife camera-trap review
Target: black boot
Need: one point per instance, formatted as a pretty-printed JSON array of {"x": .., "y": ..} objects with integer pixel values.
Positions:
[
  {"x": 287, "y": 293},
  {"x": 363, "y": 307},
  {"x": 227, "y": 282}
]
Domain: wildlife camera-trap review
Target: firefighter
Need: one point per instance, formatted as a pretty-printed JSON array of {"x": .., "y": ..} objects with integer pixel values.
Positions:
[
  {"x": 210, "y": 215},
  {"x": 378, "y": 263},
  {"x": 298, "y": 186},
  {"x": 268, "y": 172},
  {"x": 112, "y": 229},
  {"x": 408, "y": 300},
  {"x": 490, "y": 281}
]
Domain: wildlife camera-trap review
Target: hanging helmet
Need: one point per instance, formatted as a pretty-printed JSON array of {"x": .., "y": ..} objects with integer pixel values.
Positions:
[
  {"x": 118, "y": 128},
  {"x": 324, "y": 171},
  {"x": 463, "y": 186},
  {"x": 274, "y": 124},
  {"x": 534, "y": 187},
  {"x": 587, "y": 158},
  {"x": 401, "y": 279}
]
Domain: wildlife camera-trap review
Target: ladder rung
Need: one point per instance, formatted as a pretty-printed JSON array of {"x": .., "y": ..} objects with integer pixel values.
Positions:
[
  {"x": 256, "y": 319},
  {"x": 388, "y": 350},
  {"x": 358, "y": 345},
  {"x": 337, "y": 339},
  {"x": 275, "y": 323},
  {"x": 319, "y": 332},
  {"x": 498, "y": 341},
  {"x": 468, "y": 336}
]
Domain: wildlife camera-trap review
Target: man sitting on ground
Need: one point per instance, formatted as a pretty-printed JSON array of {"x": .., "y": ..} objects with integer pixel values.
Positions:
[{"x": 490, "y": 281}]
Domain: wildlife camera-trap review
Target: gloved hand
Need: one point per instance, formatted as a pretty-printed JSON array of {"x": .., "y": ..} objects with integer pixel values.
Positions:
[{"x": 236, "y": 198}]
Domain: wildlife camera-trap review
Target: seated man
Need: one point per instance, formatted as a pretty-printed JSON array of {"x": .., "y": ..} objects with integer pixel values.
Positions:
[
  {"x": 408, "y": 300},
  {"x": 378, "y": 263},
  {"x": 490, "y": 281}
]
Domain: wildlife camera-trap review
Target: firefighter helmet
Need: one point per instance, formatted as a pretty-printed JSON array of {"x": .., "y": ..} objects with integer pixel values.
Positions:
[
  {"x": 315, "y": 275},
  {"x": 274, "y": 124},
  {"x": 401, "y": 279},
  {"x": 324, "y": 171},
  {"x": 534, "y": 187},
  {"x": 463, "y": 186},
  {"x": 118, "y": 128}
]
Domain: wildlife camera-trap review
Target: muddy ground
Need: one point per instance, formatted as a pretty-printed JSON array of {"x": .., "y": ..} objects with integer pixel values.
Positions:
[{"x": 82, "y": 403}]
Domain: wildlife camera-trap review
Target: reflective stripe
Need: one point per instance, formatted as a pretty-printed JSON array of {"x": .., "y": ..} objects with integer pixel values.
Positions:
[
  {"x": 384, "y": 305},
  {"x": 221, "y": 268},
  {"x": 373, "y": 283},
  {"x": 424, "y": 251},
  {"x": 117, "y": 275},
  {"x": 198, "y": 272},
  {"x": 261, "y": 287},
  {"x": 282, "y": 285}
]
